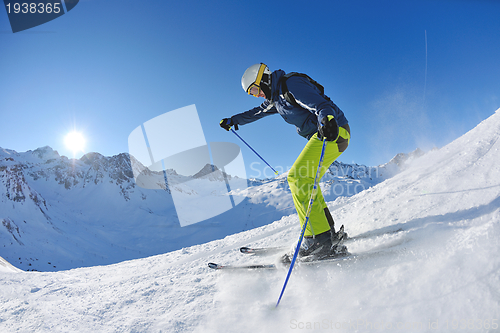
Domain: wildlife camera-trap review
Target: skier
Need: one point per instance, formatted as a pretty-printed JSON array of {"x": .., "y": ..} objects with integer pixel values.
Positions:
[{"x": 301, "y": 102}]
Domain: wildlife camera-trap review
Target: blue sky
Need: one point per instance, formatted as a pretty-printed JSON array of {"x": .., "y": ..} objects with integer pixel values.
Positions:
[{"x": 407, "y": 74}]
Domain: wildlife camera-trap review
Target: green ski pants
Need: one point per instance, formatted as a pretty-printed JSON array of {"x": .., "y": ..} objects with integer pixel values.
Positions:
[{"x": 301, "y": 179}]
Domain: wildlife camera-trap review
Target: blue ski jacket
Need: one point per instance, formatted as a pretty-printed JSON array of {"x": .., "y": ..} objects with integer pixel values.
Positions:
[{"x": 313, "y": 106}]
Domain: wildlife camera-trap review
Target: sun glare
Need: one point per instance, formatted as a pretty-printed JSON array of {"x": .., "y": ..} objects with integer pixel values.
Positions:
[{"x": 75, "y": 142}]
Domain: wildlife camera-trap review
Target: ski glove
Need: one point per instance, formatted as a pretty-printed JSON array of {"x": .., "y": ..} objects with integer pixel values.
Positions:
[
  {"x": 328, "y": 129},
  {"x": 226, "y": 124}
]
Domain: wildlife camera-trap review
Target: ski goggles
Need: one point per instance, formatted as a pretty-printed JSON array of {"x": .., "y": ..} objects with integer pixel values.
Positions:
[{"x": 254, "y": 88}]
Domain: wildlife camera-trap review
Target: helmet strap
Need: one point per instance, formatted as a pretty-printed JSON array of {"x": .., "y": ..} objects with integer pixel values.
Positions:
[
  {"x": 266, "y": 88},
  {"x": 266, "y": 85}
]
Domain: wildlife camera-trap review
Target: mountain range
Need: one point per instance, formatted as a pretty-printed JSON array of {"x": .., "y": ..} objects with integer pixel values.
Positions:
[{"x": 59, "y": 213}]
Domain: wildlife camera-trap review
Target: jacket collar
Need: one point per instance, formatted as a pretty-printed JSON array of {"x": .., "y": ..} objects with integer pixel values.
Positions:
[{"x": 275, "y": 84}]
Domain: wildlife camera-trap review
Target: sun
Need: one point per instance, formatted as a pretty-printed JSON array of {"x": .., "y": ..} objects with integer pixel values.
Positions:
[{"x": 75, "y": 141}]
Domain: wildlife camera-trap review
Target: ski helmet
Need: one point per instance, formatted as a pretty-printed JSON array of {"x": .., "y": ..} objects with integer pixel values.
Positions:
[{"x": 259, "y": 76}]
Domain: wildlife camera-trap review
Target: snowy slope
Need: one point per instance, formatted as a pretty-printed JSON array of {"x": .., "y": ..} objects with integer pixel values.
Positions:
[
  {"x": 6, "y": 266},
  {"x": 428, "y": 261}
]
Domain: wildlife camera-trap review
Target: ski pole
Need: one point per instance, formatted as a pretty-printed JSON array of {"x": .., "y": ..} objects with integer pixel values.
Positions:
[
  {"x": 232, "y": 130},
  {"x": 309, "y": 208}
]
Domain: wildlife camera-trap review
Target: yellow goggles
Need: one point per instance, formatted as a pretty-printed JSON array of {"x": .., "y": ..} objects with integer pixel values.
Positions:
[
  {"x": 254, "y": 90},
  {"x": 251, "y": 90}
]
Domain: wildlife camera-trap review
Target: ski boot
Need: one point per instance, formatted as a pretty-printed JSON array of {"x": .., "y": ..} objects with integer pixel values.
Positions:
[
  {"x": 338, "y": 248},
  {"x": 312, "y": 248}
]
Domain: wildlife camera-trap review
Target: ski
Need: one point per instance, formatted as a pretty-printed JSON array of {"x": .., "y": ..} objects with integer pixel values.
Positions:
[
  {"x": 272, "y": 250},
  {"x": 305, "y": 261},
  {"x": 343, "y": 255},
  {"x": 257, "y": 266},
  {"x": 273, "y": 266},
  {"x": 262, "y": 250}
]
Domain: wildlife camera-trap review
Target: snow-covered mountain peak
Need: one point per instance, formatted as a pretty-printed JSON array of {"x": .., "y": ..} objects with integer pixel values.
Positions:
[
  {"x": 206, "y": 170},
  {"x": 403, "y": 158},
  {"x": 212, "y": 173},
  {"x": 7, "y": 153},
  {"x": 45, "y": 153}
]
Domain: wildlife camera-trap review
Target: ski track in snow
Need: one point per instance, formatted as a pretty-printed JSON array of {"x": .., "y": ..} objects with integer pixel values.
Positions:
[{"x": 428, "y": 261}]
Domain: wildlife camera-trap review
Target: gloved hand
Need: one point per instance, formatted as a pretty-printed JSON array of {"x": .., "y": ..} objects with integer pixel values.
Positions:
[
  {"x": 226, "y": 124},
  {"x": 328, "y": 129}
]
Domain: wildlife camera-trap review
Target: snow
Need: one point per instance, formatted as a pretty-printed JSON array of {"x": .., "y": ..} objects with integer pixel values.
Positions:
[
  {"x": 5, "y": 266},
  {"x": 427, "y": 261}
]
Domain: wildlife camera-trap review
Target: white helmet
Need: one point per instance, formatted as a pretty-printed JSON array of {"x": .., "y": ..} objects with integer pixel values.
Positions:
[{"x": 253, "y": 77}]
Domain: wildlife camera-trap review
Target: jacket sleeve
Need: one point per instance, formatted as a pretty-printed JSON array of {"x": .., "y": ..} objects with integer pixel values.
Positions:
[
  {"x": 310, "y": 98},
  {"x": 265, "y": 109}
]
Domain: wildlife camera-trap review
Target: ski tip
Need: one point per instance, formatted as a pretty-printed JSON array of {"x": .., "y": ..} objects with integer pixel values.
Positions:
[
  {"x": 245, "y": 249},
  {"x": 214, "y": 266}
]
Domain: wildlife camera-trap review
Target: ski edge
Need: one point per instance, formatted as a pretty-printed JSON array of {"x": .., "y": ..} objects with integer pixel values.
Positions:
[
  {"x": 216, "y": 266},
  {"x": 256, "y": 266},
  {"x": 262, "y": 250}
]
